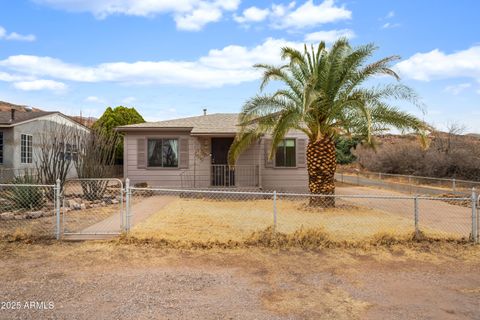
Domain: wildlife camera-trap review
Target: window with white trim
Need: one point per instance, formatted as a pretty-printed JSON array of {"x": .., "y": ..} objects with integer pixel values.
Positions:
[{"x": 26, "y": 148}]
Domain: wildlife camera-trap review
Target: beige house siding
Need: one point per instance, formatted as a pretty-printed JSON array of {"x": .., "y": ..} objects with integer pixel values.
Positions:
[
  {"x": 199, "y": 164},
  {"x": 36, "y": 127},
  {"x": 164, "y": 177},
  {"x": 285, "y": 179}
]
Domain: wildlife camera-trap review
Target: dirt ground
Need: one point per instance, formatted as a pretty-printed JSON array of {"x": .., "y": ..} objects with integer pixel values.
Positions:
[{"x": 102, "y": 280}]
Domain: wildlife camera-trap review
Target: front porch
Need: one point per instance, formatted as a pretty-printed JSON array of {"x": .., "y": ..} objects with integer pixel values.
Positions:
[
  {"x": 223, "y": 176},
  {"x": 213, "y": 170}
]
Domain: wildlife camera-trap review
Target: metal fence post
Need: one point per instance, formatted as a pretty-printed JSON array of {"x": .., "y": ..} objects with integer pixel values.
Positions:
[
  {"x": 474, "y": 216},
  {"x": 274, "y": 210},
  {"x": 127, "y": 205},
  {"x": 415, "y": 208},
  {"x": 454, "y": 187},
  {"x": 57, "y": 206}
]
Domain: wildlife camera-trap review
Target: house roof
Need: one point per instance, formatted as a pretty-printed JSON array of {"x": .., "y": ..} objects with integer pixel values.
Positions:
[
  {"x": 5, "y": 116},
  {"x": 223, "y": 123},
  {"x": 24, "y": 116}
]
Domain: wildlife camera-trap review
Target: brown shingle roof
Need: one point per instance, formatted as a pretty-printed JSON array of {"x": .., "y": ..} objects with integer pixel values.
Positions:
[
  {"x": 210, "y": 123},
  {"x": 5, "y": 116}
]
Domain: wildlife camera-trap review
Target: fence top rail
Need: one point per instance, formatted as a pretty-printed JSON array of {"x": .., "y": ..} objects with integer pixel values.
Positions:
[
  {"x": 202, "y": 191},
  {"x": 411, "y": 176},
  {"x": 95, "y": 179},
  {"x": 25, "y": 185},
  {"x": 286, "y": 194}
]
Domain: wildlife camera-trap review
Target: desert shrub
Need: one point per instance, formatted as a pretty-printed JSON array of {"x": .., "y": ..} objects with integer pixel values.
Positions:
[
  {"x": 24, "y": 197},
  {"x": 448, "y": 155}
]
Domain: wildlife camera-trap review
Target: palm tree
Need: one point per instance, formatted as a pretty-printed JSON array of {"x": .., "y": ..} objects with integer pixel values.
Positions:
[{"x": 325, "y": 95}]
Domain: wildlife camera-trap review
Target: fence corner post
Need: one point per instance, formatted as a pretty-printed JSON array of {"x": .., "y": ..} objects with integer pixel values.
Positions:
[
  {"x": 57, "y": 192},
  {"x": 127, "y": 205},
  {"x": 416, "y": 216},
  {"x": 274, "y": 210},
  {"x": 474, "y": 217}
]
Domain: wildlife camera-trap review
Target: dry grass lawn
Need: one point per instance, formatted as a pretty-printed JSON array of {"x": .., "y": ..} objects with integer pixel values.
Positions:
[{"x": 184, "y": 219}]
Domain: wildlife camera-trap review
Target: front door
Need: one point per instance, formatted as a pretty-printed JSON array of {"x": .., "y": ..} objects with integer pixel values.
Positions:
[{"x": 222, "y": 173}]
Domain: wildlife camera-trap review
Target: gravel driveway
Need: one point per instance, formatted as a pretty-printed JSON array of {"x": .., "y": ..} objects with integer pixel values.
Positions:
[{"x": 110, "y": 281}]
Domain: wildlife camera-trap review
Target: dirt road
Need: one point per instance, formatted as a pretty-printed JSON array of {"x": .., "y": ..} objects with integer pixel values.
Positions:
[{"x": 105, "y": 281}]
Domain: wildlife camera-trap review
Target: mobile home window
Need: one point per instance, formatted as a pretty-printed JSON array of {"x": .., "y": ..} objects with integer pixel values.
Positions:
[
  {"x": 163, "y": 153},
  {"x": 285, "y": 155},
  {"x": 1, "y": 147},
  {"x": 26, "y": 148}
]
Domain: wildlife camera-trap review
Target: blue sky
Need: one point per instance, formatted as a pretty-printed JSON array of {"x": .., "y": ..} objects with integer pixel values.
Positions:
[{"x": 173, "y": 58}]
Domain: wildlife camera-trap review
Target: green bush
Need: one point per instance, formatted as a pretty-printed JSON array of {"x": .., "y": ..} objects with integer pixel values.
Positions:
[{"x": 344, "y": 148}]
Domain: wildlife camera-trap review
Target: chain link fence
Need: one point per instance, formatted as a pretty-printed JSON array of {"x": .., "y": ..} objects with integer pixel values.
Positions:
[
  {"x": 104, "y": 206},
  {"x": 28, "y": 211},
  {"x": 408, "y": 183},
  {"x": 92, "y": 206},
  {"x": 223, "y": 216}
]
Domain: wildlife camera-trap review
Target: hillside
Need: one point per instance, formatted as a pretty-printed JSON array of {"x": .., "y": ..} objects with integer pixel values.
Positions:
[{"x": 7, "y": 106}]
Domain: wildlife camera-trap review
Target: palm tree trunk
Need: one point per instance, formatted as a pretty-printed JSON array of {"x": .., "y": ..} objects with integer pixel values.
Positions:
[{"x": 321, "y": 166}]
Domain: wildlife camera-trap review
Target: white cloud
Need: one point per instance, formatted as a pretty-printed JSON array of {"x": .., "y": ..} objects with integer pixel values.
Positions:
[
  {"x": 329, "y": 36},
  {"x": 7, "y": 77},
  {"x": 196, "y": 19},
  {"x": 390, "y": 15},
  {"x": 229, "y": 65},
  {"x": 309, "y": 15},
  {"x": 457, "y": 88},
  {"x": 36, "y": 85},
  {"x": 13, "y": 36},
  {"x": 189, "y": 15},
  {"x": 289, "y": 16},
  {"x": 389, "y": 25},
  {"x": 252, "y": 14},
  {"x": 94, "y": 99},
  {"x": 439, "y": 65},
  {"x": 129, "y": 100}
]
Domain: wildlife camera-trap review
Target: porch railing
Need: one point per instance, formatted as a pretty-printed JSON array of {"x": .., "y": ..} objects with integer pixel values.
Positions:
[{"x": 222, "y": 175}]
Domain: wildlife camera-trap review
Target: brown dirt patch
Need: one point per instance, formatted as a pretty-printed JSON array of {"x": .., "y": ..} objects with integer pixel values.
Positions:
[{"x": 111, "y": 281}]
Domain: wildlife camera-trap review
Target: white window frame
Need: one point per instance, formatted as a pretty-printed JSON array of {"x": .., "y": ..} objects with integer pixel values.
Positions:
[{"x": 26, "y": 148}]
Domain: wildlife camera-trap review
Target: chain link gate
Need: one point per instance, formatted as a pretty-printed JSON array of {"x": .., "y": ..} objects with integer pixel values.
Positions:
[{"x": 92, "y": 207}]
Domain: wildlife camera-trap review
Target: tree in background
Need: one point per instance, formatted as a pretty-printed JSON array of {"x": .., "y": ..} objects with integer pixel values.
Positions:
[
  {"x": 95, "y": 159},
  {"x": 111, "y": 118},
  {"x": 56, "y": 152},
  {"x": 344, "y": 146}
]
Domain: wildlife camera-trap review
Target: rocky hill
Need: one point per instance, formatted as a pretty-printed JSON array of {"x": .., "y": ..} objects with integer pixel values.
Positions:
[{"x": 7, "y": 106}]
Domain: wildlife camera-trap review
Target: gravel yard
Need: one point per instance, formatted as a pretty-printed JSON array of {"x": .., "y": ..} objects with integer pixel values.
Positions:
[{"x": 102, "y": 280}]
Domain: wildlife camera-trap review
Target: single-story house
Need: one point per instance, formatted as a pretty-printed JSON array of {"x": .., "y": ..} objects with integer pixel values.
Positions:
[
  {"x": 192, "y": 153},
  {"x": 21, "y": 136}
]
